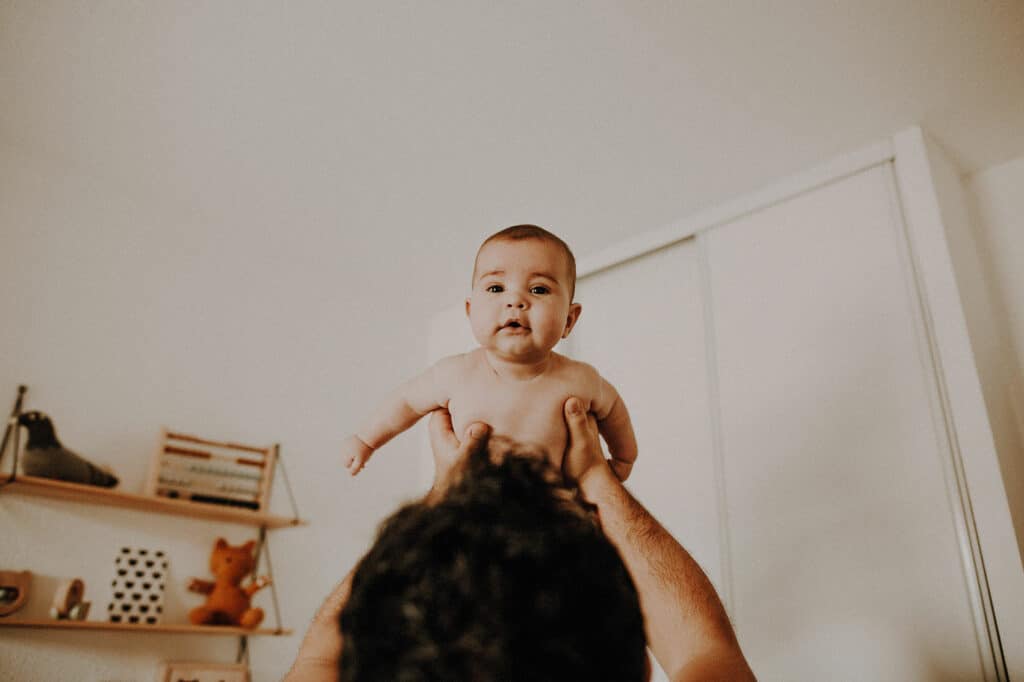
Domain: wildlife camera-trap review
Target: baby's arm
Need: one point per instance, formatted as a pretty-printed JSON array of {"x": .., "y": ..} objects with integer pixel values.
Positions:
[
  {"x": 403, "y": 408},
  {"x": 616, "y": 428}
]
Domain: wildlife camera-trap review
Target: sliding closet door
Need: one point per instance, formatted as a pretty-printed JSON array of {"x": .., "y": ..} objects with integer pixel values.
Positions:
[
  {"x": 843, "y": 544},
  {"x": 642, "y": 327}
]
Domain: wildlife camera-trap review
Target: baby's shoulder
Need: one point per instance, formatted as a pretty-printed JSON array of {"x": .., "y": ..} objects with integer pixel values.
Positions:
[
  {"x": 457, "y": 367},
  {"x": 577, "y": 367},
  {"x": 579, "y": 374}
]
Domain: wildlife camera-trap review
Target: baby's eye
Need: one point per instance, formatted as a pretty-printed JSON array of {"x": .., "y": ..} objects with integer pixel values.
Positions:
[
  {"x": 495, "y": 289},
  {"x": 539, "y": 290}
]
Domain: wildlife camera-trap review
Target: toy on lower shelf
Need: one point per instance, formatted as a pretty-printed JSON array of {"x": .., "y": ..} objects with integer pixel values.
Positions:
[
  {"x": 139, "y": 581},
  {"x": 68, "y": 601},
  {"x": 227, "y": 602},
  {"x": 14, "y": 587}
]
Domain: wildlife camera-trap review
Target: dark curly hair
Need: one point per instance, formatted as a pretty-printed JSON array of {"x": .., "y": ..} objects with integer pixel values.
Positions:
[{"x": 505, "y": 578}]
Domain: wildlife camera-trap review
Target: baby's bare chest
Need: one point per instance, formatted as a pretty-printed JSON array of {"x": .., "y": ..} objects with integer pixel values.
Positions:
[{"x": 527, "y": 412}]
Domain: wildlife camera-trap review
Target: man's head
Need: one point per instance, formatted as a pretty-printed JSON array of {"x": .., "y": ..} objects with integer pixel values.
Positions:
[
  {"x": 524, "y": 280},
  {"x": 504, "y": 578}
]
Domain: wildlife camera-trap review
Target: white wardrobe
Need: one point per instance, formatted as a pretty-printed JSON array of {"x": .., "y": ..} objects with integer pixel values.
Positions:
[{"x": 811, "y": 423}]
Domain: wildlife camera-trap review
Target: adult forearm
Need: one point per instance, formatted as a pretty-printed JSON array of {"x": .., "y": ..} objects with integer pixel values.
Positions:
[
  {"x": 320, "y": 653},
  {"x": 687, "y": 627}
]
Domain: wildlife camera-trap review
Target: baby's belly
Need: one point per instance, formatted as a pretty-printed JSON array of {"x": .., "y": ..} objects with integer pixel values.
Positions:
[{"x": 535, "y": 423}]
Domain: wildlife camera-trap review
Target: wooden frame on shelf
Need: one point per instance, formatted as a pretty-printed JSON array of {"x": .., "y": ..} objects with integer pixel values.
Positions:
[
  {"x": 182, "y": 671},
  {"x": 205, "y": 471}
]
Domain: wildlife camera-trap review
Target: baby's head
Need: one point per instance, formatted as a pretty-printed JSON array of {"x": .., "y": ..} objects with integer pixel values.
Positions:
[
  {"x": 549, "y": 241},
  {"x": 524, "y": 280}
]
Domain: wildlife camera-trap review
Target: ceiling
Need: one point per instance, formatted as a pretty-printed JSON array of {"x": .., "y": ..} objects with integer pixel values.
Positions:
[{"x": 393, "y": 136}]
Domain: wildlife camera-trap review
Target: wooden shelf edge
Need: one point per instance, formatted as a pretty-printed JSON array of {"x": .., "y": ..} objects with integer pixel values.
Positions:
[
  {"x": 45, "y": 487},
  {"x": 181, "y": 629}
]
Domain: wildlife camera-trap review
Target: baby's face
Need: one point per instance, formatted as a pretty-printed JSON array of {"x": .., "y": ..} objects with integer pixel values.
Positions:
[{"x": 521, "y": 303}]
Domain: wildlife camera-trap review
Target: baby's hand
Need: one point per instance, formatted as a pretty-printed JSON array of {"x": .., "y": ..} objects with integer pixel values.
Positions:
[
  {"x": 354, "y": 453},
  {"x": 621, "y": 468}
]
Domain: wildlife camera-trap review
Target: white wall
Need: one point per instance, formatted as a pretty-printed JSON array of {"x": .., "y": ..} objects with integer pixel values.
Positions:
[
  {"x": 149, "y": 318},
  {"x": 123, "y": 316},
  {"x": 998, "y": 219},
  {"x": 236, "y": 218}
]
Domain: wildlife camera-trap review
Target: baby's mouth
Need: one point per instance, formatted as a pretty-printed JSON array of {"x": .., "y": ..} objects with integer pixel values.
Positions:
[{"x": 515, "y": 325}]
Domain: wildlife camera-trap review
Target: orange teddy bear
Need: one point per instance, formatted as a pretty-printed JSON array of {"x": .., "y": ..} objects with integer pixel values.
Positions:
[{"x": 227, "y": 602}]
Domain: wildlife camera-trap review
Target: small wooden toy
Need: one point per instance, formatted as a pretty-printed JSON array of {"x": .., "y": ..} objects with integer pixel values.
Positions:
[
  {"x": 212, "y": 472},
  {"x": 14, "y": 587},
  {"x": 68, "y": 601}
]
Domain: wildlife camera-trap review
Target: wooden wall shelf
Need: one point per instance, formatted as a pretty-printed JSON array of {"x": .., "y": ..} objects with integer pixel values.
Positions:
[
  {"x": 150, "y": 502},
  {"x": 88, "y": 494},
  {"x": 180, "y": 629}
]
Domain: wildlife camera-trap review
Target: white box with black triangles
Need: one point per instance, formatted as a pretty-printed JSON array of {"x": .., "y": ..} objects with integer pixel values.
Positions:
[{"x": 137, "y": 590}]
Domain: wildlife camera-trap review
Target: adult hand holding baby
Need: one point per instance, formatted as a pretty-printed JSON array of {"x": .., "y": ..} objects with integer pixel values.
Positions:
[
  {"x": 448, "y": 451},
  {"x": 583, "y": 456}
]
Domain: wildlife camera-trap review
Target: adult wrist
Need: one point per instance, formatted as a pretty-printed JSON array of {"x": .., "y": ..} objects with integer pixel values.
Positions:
[
  {"x": 438, "y": 487},
  {"x": 596, "y": 482},
  {"x": 446, "y": 474}
]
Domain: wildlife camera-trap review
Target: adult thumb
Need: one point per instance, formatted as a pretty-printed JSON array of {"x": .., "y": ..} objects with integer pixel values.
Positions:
[{"x": 573, "y": 408}]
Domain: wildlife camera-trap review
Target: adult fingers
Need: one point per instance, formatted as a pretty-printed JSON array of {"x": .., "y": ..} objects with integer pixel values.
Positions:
[
  {"x": 442, "y": 436},
  {"x": 582, "y": 425},
  {"x": 584, "y": 451},
  {"x": 474, "y": 439},
  {"x": 446, "y": 445}
]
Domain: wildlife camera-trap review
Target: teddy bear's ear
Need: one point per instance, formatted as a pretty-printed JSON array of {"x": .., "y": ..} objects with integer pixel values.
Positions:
[
  {"x": 249, "y": 545},
  {"x": 221, "y": 543}
]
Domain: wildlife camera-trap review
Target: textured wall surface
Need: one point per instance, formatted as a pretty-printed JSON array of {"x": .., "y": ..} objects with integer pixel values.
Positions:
[{"x": 236, "y": 219}]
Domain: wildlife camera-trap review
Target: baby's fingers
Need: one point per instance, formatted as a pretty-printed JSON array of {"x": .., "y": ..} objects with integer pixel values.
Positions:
[{"x": 354, "y": 464}]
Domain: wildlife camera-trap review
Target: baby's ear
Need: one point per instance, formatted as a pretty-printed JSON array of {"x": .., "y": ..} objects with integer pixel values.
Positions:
[{"x": 575, "y": 310}]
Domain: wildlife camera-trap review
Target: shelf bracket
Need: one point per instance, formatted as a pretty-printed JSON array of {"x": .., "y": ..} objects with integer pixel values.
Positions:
[
  {"x": 12, "y": 428},
  {"x": 243, "y": 650},
  {"x": 287, "y": 484},
  {"x": 264, "y": 549}
]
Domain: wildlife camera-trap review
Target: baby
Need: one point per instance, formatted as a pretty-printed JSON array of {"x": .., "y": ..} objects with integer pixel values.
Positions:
[{"x": 524, "y": 280}]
